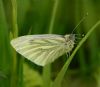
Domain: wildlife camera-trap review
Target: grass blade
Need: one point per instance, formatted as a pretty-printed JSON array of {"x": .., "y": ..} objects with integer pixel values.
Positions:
[
  {"x": 14, "y": 77},
  {"x": 58, "y": 80},
  {"x": 47, "y": 69}
]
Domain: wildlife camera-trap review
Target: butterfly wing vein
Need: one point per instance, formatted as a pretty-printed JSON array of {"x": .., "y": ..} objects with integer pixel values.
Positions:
[{"x": 40, "y": 49}]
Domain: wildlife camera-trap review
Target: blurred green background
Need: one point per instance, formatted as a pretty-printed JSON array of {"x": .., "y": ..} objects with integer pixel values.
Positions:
[{"x": 42, "y": 17}]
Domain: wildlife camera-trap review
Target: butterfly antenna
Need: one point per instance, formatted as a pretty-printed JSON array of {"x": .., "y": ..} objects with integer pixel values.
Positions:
[{"x": 80, "y": 22}]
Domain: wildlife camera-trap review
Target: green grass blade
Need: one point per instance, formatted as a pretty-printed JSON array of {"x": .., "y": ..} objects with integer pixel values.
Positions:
[
  {"x": 47, "y": 69},
  {"x": 47, "y": 76},
  {"x": 4, "y": 49},
  {"x": 56, "y": 2},
  {"x": 14, "y": 77},
  {"x": 14, "y": 18},
  {"x": 58, "y": 80}
]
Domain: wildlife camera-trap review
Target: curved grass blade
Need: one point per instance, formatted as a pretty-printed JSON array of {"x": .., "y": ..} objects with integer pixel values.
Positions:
[{"x": 58, "y": 80}]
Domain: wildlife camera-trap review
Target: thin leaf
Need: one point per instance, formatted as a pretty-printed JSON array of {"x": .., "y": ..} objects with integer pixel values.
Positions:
[
  {"x": 58, "y": 80},
  {"x": 47, "y": 69}
]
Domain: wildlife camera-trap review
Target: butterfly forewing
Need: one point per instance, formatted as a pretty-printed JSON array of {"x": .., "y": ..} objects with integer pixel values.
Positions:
[{"x": 40, "y": 49}]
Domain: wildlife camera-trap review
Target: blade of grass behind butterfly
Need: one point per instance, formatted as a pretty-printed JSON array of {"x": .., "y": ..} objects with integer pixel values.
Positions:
[
  {"x": 14, "y": 33},
  {"x": 81, "y": 54},
  {"x": 4, "y": 49},
  {"x": 93, "y": 40},
  {"x": 58, "y": 80},
  {"x": 47, "y": 69}
]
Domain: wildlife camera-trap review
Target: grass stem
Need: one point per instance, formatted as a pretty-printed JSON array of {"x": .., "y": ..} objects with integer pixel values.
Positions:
[{"x": 58, "y": 80}]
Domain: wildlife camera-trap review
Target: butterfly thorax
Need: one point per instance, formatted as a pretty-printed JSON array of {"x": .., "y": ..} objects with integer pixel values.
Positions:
[
  {"x": 69, "y": 42},
  {"x": 70, "y": 37}
]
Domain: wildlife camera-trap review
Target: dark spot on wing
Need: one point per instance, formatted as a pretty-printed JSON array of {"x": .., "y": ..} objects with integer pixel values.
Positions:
[{"x": 31, "y": 41}]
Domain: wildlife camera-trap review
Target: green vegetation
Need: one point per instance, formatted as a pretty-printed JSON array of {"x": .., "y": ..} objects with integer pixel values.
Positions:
[{"x": 18, "y": 18}]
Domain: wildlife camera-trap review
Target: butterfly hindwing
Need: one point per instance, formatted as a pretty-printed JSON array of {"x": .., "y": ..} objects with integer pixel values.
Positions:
[{"x": 40, "y": 49}]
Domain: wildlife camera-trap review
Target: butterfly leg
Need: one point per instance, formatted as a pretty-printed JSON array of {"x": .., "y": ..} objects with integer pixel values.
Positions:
[{"x": 68, "y": 54}]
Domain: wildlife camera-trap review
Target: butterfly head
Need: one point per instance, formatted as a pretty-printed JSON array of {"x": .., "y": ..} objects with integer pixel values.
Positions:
[
  {"x": 70, "y": 37},
  {"x": 69, "y": 42}
]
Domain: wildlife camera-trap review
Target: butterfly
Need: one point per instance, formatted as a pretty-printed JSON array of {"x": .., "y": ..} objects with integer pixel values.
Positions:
[{"x": 43, "y": 49}]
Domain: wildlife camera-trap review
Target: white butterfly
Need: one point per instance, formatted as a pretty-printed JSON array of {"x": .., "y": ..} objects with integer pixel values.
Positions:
[{"x": 43, "y": 49}]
